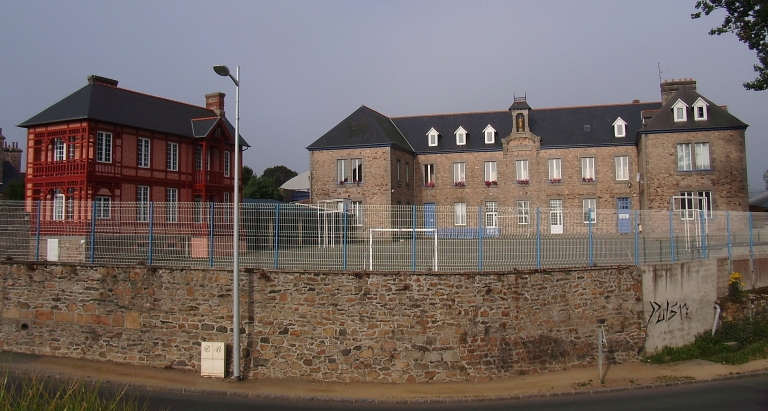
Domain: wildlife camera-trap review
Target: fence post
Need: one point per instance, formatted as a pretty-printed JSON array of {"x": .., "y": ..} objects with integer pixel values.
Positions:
[
  {"x": 210, "y": 234},
  {"x": 93, "y": 232},
  {"x": 728, "y": 241},
  {"x": 151, "y": 232},
  {"x": 344, "y": 243},
  {"x": 413, "y": 237},
  {"x": 277, "y": 235},
  {"x": 37, "y": 232},
  {"x": 671, "y": 237},
  {"x": 703, "y": 224},
  {"x": 591, "y": 251},
  {"x": 480, "y": 238},
  {"x": 637, "y": 240},
  {"x": 538, "y": 237}
]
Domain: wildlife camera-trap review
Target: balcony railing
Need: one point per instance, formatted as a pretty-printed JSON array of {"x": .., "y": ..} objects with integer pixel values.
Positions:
[
  {"x": 208, "y": 177},
  {"x": 74, "y": 168}
]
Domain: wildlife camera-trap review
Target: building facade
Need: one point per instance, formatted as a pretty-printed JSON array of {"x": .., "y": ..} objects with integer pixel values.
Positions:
[
  {"x": 10, "y": 164},
  {"x": 105, "y": 144},
  {"x": 684, "y": 152}
]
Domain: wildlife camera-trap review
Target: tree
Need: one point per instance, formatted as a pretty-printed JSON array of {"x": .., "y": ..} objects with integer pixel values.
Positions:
[
  {"x": 246, "y": 175},
  {"x": 279, "y": 174},
  {"x": 748, "y": 20},
  {"x": 765, "y": 178},
  {"x": 262, "y": 187}
]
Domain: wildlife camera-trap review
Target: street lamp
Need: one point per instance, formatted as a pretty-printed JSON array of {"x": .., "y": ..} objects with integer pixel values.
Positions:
[{"x": 224, "y": 71}]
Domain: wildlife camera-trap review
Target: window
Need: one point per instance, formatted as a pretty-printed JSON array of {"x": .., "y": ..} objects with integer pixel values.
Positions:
[
  {"x": 357, "y": 212},
  {"x": 622, "y": 167},
  {"x": 684, "y": 161},
  {"x": 590, "y": 210},
  {"x": 521, "y": 167},
  {"x": 680, "y": 111},
  {"x": 619, "y": 128},
  {"x": 460, "y": 213},
  {"x": 555, "y": 170},
  {"x": 490, "y": 135},
  {"x": 208, "y": 159},
  {"x": 172, "y": 156},
  {"x": 429, "y": 175},
  {"x": 70, "y": 204},
  {"x": 587, "y": 169},
  {"x": 58, "y": 149},
  {"x": 490, "y": 173},
  {"x": 142, "y": 208},
  {"x": 700, "y": 110},
  {"x": 226, "y": 163},
  {"x": 172, "y": 202},
  {"x": 197, "y": 209},
  {"x": 398, "y": 171},
  {"x": 432, "y": 137},
  {"x": 491, "y": 214},
  {"x": 103, "y": 147},
  {"x": 198, "y": 158},
  {"x": 226, "y": 197},
  {"x": 142, "y": 157},
  {"x": 103, "y": 207},
  {"x": 461, "y": 137},
  {"x": 341, "y": 171},
  {"x": 694, "y": 201},
  {"x": 357, "y": 170},
  {"x": 58, "y": 205},
  {"x": 523, "y": 211},
  {"x": 407, "y": 173},
  {"x": 72, "y": 147},
  {"x": 459, "y": 174}
]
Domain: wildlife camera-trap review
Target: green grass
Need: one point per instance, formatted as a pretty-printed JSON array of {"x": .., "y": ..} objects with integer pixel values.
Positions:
[
  {"x": 38, "y": 395},
  {"x": 733, "y": 343}
]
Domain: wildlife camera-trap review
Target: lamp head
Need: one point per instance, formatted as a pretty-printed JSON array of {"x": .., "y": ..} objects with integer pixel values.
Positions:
[{"x": 221, "y": 70}]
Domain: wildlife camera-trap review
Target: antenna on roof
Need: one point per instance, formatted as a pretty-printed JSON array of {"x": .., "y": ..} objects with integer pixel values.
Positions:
[{"x": 658, "y": 66}]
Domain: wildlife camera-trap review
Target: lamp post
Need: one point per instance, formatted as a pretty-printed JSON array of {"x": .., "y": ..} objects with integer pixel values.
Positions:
[{"x": 224, "y": 71}]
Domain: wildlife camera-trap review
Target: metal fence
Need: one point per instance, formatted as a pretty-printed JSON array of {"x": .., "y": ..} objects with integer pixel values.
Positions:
[{"x": 339, "y": 236}]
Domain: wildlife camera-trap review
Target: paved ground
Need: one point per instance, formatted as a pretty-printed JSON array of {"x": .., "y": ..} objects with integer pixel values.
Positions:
[{"x": 578, "y": 379}]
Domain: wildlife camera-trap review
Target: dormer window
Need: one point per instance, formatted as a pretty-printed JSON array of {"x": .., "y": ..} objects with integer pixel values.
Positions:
[
  {"x": 490, "y": 135},
  {"x": 432, "y": 137},
  {"x": 619, "y": 128},
  {"x": 680, "y": 111},
  {"x": 700, "y": 109},
  {"x": 461, "y": 136}
]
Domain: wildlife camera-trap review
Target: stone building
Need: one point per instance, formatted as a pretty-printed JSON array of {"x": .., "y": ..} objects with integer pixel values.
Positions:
[
  {"x": 684, "y": 151},
  {"x": 10, "y": 164}
]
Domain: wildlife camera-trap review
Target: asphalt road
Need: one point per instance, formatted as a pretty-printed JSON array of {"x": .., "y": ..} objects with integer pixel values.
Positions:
[{"x": 742, "y": 394}]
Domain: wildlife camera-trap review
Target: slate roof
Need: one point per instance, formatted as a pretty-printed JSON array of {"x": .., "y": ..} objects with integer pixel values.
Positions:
[
  {"x": 363, "y": 128},
  {"x": 111, "y": 104},
  {"x": 717, "y": 117}
]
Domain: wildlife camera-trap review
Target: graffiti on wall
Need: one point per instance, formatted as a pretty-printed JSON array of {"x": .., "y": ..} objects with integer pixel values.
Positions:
[{"x": 667, "y": 312}]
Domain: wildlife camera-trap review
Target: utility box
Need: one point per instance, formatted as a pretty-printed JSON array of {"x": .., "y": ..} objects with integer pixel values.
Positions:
[{"x": 212, "y": 359}]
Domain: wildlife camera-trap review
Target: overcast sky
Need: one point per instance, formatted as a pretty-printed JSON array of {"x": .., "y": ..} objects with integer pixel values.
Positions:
[{"x": 306, "y": 65}]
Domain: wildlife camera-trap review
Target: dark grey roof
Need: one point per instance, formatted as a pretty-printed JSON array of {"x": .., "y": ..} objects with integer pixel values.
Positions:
[
  {"x": 415, "y": 129},
  {"x": 363, "y": 128},
  {"x": 717, "y": 117},
  {"x": 116, "y": 105}
]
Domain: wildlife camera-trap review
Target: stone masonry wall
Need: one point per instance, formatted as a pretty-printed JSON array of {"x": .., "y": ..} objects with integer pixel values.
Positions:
[{"x": 368, "y": 326}]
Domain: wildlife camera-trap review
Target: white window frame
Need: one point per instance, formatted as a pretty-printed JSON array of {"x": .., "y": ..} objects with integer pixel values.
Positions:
[
  {"x": 357, "y": 212},
  {"x": 700, "y": 105},
  {"x": 622, "y": 167},
  {"x": 587, "y": 168},
  {"x": 142, "y": 152},
  {"x": 226, "y": 197},
  {"x": 460, "y": 214},
  {"x": 407, "y": 172},
  {"x": 521, "y": 171},
  {"x": 523, "y": 212},
  {"x": 461, "y": 136},
  {"x": 172, "y": 156},
  {"x": 459, "y": 174},
  {"x": 172, "y": 205},
  {"x": 684, "y": 158},
  {"x": 701, "y": 156},
  {"x": 555, "y": 170},
  {"x": 103, "y": 147},
  {"x": 198, "y": 158},
  {"x": 58, "y": 205},
  {"x": 357, "y": 170},
  {"x": 490, "y": 134},
  {"x": 432, "y": 135},
  {"x": 142, "y": 200},
  {"x": 590, "y": 203},
  {"x": 491, "y": 214},
  {"x": 103, "y": 207},
  {"x": 680, "y": 111},
  {"x": 619, "y": 128},
  {"x": 429, "y": 174},
  {"x": 341, "y": 171},
  {"x": 58, "y": 149},
  {"x": 490, "y": 172},
  {"x": 227, "y": 161}
]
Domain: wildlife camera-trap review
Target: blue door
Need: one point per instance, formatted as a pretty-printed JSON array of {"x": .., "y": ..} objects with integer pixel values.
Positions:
[
  {"x": 624, "y": 223},
  {"x": 429, "y": 215}
]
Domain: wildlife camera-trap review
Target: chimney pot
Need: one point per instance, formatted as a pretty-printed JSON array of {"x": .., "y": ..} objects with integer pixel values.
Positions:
[{"x": 94, "y": 79}]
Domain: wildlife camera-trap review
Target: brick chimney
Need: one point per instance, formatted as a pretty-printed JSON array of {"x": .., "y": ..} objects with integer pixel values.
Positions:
[
  {"x": 215, "y": 102},
  {"x": 94, "y": 79},
  {"x": 669, "y": 87}
]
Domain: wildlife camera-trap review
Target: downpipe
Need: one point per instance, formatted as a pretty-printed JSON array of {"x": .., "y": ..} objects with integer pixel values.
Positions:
[{"x": 717, "y": 318}]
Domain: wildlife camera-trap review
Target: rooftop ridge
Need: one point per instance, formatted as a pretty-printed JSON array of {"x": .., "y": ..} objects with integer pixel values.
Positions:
[
  {"x": 536, "y": 109},
  {"x": 452, "y": 114},
  {"x": 598, "y": 105}
]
